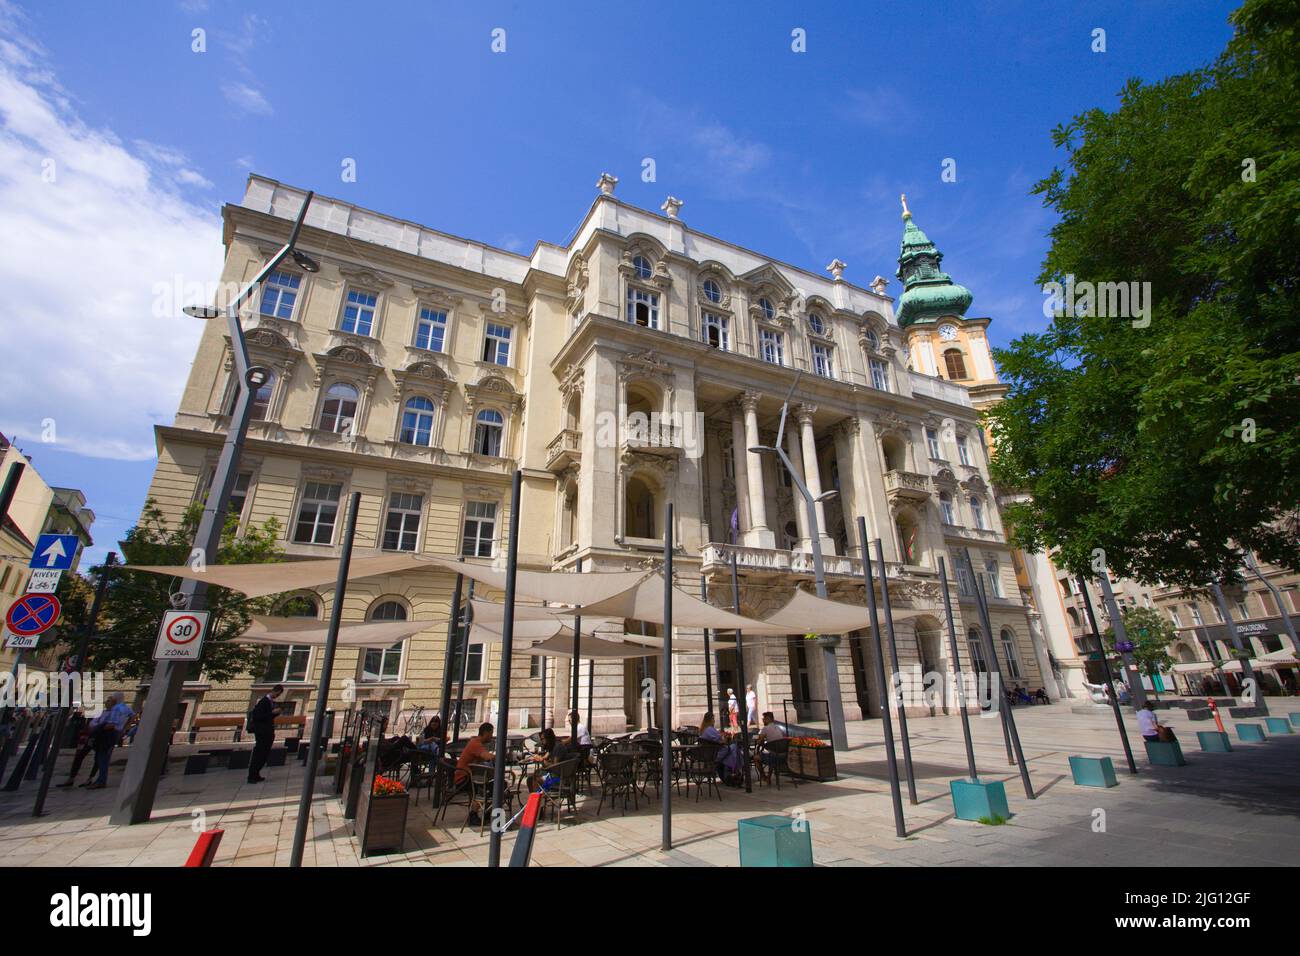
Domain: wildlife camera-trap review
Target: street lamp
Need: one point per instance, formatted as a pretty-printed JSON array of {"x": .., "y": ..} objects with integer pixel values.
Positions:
[
  {"x": 148, "y": 754},
  {"x": 834, "y": 704}
]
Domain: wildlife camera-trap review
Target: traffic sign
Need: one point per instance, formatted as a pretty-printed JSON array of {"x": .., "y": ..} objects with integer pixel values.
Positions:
[
  {"x": 43, "y": 581},
  {"x": 180, "y": 638},
  {"x": 54, "y": 551},
  {"x": 15, "y": 643},
  {"x": 33, "y": 614}
]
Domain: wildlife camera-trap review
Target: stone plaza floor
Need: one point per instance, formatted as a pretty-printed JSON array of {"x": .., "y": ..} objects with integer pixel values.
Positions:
[{"x": 1239, "y": 808}]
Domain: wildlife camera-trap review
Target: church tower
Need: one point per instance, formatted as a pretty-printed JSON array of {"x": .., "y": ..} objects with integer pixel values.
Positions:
[{"x": 941, "y": 340}]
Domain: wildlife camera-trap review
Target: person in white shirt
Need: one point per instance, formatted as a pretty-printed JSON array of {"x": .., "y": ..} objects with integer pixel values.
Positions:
[
  {"x": 751, "y": 705},
  {"x": 1148, "y": 726},
  {"x": 733, "y": 710},
  {"x": 584, "y": 736}
]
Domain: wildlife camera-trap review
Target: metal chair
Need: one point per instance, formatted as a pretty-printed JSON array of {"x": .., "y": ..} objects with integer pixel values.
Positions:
[
  {"x": 481, "y": 780},
  {"x": 618, "y": 778},
  {"x": 773, "y": 760},
  {"x": 702, "y": 768},
  {"x": 563, "y": 790}
]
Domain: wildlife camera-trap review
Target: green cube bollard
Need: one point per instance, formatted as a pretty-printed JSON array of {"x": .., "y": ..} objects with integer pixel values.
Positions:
[
  {"x": 775, "y": 840},
  {"x": 1253, "y": 733},
  {"x": 1093, "y": 772},
  {"x": 979, "y": 799},
  {"x": 1165, "y": 753},
  {"x": 1295, "y": 719},
  {"x": 1278, "y": 725},
  {"x": 1214, "y": 742}
]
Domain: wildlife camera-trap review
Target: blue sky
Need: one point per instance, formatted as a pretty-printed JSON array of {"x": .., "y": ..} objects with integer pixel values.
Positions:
[{"x": 799, "y": 155}]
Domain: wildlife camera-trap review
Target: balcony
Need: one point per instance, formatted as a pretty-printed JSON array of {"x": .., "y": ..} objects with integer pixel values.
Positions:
[
  {"x": 932, "y": 387},
  {"x": 716, "y": 558},
  {"x": 564, "y": 450},
  {"x": 906, "y": 485},
  {"x": 654, "y": 438}
]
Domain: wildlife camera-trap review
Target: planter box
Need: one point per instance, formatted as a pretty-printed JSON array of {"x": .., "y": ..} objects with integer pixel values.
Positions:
[
  {"x": 812, "y": 763},
  {"x": 381, "y": 823}
]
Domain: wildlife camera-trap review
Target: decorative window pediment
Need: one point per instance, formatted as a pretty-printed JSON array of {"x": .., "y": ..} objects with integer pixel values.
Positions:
[
  {"x": 365, "y": 278},
  {"x": 426, "y": 377}
]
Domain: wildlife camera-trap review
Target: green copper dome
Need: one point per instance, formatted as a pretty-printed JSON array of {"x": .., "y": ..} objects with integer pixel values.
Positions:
[{"x": 928, "y": 291}]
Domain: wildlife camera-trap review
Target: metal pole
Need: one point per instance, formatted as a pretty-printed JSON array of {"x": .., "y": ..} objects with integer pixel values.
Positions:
[
  {"x": 503, "y": 686},
  {"x": 66, "y": 709},
  {"x": 323, "y": 686},
  {"x": 897, "y": 676},
  {"x": 1242, "y": 654},
  {"x": 740, "y": 674},
  {"x": 147, "y": 757},
  {"x": 1121, "y": 635},
  {"x": 1008, "y": 719},
  {"x": 1105, "y": 666},
  {"x": 956, "y": 666},
  {"x": 891, "y": 757},
  {"x": 708, "y": 668},
  {"x": 546, "y": 666},
  {"x": 591, "y": 689},
  {"x": 577, "y": 665},
  {"x": 464, "y": 662},
  {"x": 449, "y": 655},
  {"x": 666, "y": 682},
  {"x": 1277, "y": 598}
]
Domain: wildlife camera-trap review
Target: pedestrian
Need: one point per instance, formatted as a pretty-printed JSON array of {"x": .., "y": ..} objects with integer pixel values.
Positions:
[
  {"x": 751, "y": 706},
  {"x": 733, "y": 710},
  {"x": 85, "y": 747},
  {"x": 105, "y": 736},
  {"x": 261, "y": 721},
  {"x": 1148, "y": 725}
]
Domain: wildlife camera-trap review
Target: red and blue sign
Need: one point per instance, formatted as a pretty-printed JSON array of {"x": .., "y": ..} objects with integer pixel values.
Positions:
[{"x": 33, "y": 614}]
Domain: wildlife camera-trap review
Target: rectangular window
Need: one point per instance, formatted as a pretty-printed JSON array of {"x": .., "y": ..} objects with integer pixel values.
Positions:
[
  {"x": 285, "y": 663},
  {"x": 879, "y": 374},
  {"x": 717, "y": 331},
  {"x": 822, "y": 363},
  {"x": 402, "y": 523},
  {"x": 771, "y": 346},
  {"x": 279, "y": 294},
  {"x": 932, "y": 443},
  {"x": 945, "y": 505},
  {"x": 1173, "y": 616},
  {"x": 534, "y": 668},
  {"x": 239, "y": 494},
  {"x": 977, "y": 655},
  {"x": 317, "y": 513},
  {"x": 359, "y": 312},
  {"x": 965, "y": 586},
  {"x": 496, "y": 344},
  {"x": 643, "y": 308},
  {"x": 474, "y": 665},
  {"x": 431, "y": 330},
  {"x": 1243, "y": 611},
  {"x": 963, "y": 451},
  {"x": 1196, "y": 614},
  {"x": 480, "y": 529},
  {"x": 1009, "y": 651},
  {"x": 992, "y": 579},
  {"x": 382, "y": 665}
]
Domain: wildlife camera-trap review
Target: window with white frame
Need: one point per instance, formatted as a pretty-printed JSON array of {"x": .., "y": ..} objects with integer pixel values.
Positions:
[
  {"x": 977, "y": 512},
  {"x": 317, "y": 513},
  {"x": 963, "y": 450},
  {"x": 1196, "y": 614},
  {"x": 496, "y": 344},
  {"x": 489, "y": 427},
  {"x": 822, "y": 361},
  {"x": 975, "y": 640},
  {"x": 945, "y": 505},
  {"x": 712, "y": 291},
  {"x": 642, "y": 267},
  {"x": 1243, "y": 611},
  {"x": 717, "y": 331},
  {"x": 765, "y": 306},
  {"x": 359, "y": 312},
  {"x": 1009, "y": 652},
  {"x": 932, "y": 443},
  {"x": 280, "y": 294},
  {"x": 402, "y": 522},
  {"x": 417, "y": 421},
  {"x": 239, "y": 494},
  {"x": 480, "y": 529},
  {"x": 965, "y": 584},
  {"x": 431, "y": 330},
  {"x": 992, "y": 578},
  {"x": 338, "y": 412},
  {"x": 259, "y": 405},
  {"x": 771, "y": 345},
  {"x": 384, "y": 665},
  {"x": 816, "y": 323},
  {"x": 879, "y": 374},
  {"x": 1173, "y": 616},
  {"x": 873, "y": 340},
  {"x": 643, "y": 307},
  {"x": 474, "y": 666}
]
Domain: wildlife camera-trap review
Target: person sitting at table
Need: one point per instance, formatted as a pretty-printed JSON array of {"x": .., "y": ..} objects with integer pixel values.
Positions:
[
  {"x": 475, "y": 751},
  {"x": 431, "y": 739},
  {"x": 584, "y": 735},
  {"x": 552, "y": 750},
  {"x": 708, "y": 731},
  {"x": 769, "y": 732}
]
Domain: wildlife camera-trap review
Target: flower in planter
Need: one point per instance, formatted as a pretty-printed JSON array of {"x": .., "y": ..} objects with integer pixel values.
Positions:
[
  {"x": 807, "y": 742},
  {"x": 388, "y": 787}
]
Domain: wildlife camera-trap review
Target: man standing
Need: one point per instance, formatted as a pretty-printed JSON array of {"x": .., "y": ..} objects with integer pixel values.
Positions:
[
  {"x": 106, "y": 735},
  {"x": 262, "y": 720}
]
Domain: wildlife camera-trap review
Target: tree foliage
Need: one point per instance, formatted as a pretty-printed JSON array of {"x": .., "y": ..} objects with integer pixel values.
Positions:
[
  {"x": 1171, "y": 448},
  {"x": 1151, "y": 634},
  {"x": 135, "y": 601}
]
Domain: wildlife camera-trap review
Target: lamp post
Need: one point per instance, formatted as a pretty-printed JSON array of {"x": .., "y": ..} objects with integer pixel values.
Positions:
[
  {"x": 144, "y": 765},
  {"x": 834, "y": 703}
]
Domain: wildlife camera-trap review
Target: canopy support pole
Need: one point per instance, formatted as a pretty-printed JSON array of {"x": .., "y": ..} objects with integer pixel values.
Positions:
[
  {"x": 1110, "y": 684},
  {"x": 464, "y": 663},
  {"x": 499, "y": 822},
  {"x": 740, "y": 673},
  {"x": 449, "y": 656},
  {"x": 577, "y": 668},
  {"x": 897, "y": 676},
  {"x": 891, "y": 757},
  {"x": 956, "y": 669},
  {"x": 666, "y": 682}
]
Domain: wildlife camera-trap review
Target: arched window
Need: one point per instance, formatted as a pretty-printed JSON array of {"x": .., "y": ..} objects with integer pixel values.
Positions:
[
  {"x": 873, "y": 340},
  {"x": 975, "y": 640},
  {"x": 765, "y": 306},
  {"x": 260, "y": 406},
  {"x": 639, "y": 509},
  {"x": 977, "y": 512},
  {"x": 417, "y": 421},
  {"x": 386, "y": 664},
  {"x": 816, "y": 324},
  {"x": 643, "y": 268},
  {"x": 712, "y": 291},
  {"x": 1009, "y": 652},
  {"x": 945, "y": 505},
  {"x": 339, "y": 410},
  {"x": 955, "y": 364},
  {"x": 489, "y": 426}
]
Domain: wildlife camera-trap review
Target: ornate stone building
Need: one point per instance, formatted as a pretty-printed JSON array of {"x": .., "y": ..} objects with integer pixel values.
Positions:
[{"x": 632, "y": 368}]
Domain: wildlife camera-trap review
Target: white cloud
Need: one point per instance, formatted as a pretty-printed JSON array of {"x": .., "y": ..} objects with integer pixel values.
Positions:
[
  {"x": 246, "y": 99},
  {"x": 243, "y": 94},
  {"x": 79, "y": 259}
]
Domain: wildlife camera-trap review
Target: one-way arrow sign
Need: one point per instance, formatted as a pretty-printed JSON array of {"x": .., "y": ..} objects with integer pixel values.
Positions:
[{"x": 54, "y": 551}]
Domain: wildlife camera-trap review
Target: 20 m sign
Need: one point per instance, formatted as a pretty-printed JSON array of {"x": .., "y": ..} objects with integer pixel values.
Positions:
[{"x": 181, "y": 636}]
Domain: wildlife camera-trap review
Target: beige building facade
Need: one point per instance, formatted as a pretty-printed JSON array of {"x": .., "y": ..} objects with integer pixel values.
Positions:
[{"x": 632, "y": 368}]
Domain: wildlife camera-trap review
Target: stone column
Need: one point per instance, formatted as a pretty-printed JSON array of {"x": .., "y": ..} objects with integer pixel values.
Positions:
[
  {"x": 759, "y": 534},
  {"x": 812, "y": 473},
  {"x": 738, "y": 468},
  {"x": 800, "y": 512}
]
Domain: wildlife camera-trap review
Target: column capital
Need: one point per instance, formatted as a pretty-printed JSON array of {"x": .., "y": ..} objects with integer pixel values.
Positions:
[
  {"x": 749, "y": 401},
  {"x": 805, "y": 413}
]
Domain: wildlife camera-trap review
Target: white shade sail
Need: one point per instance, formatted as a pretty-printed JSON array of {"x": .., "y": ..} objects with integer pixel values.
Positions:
[
  {"x": 311, "y": 632},
  {"x": 592, "y": 648},
  {"x": 259, "y": 580},
  {"x": 560, "y": 587},
  {"x": 490, "y": 612},
  {"x": 645, "y": 602},
  {"x": 807, "y": 613}
]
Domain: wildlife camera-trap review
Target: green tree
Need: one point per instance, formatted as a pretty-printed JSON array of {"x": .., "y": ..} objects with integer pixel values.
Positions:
[
  {"x": 135, "y": 602},
  {"x": 1163, "y": 451},
  {"x": 1151, "y": 635}
]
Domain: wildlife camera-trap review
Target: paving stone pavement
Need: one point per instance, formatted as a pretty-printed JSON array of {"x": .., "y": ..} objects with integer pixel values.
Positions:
[{"x": 1240, "y": 808}]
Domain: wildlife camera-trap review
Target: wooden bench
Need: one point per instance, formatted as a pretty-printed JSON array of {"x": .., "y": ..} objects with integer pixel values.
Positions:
[
  {"x": 297, "y": 721},
  {"x": 212, "y": 724}
]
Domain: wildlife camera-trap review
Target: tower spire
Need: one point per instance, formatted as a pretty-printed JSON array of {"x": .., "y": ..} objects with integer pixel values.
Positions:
[{"x": 928, "y": 291}]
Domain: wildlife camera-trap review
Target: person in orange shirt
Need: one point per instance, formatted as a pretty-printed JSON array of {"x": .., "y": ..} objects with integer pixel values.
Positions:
[{"x": 475, "y": 752}]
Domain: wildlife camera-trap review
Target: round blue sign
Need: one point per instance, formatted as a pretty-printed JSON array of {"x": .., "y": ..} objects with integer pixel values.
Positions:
[{"x": 33, "y": 614}]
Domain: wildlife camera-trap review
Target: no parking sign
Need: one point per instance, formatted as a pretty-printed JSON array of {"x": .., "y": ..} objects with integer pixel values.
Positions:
[{"x": 181, "y": 636}]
